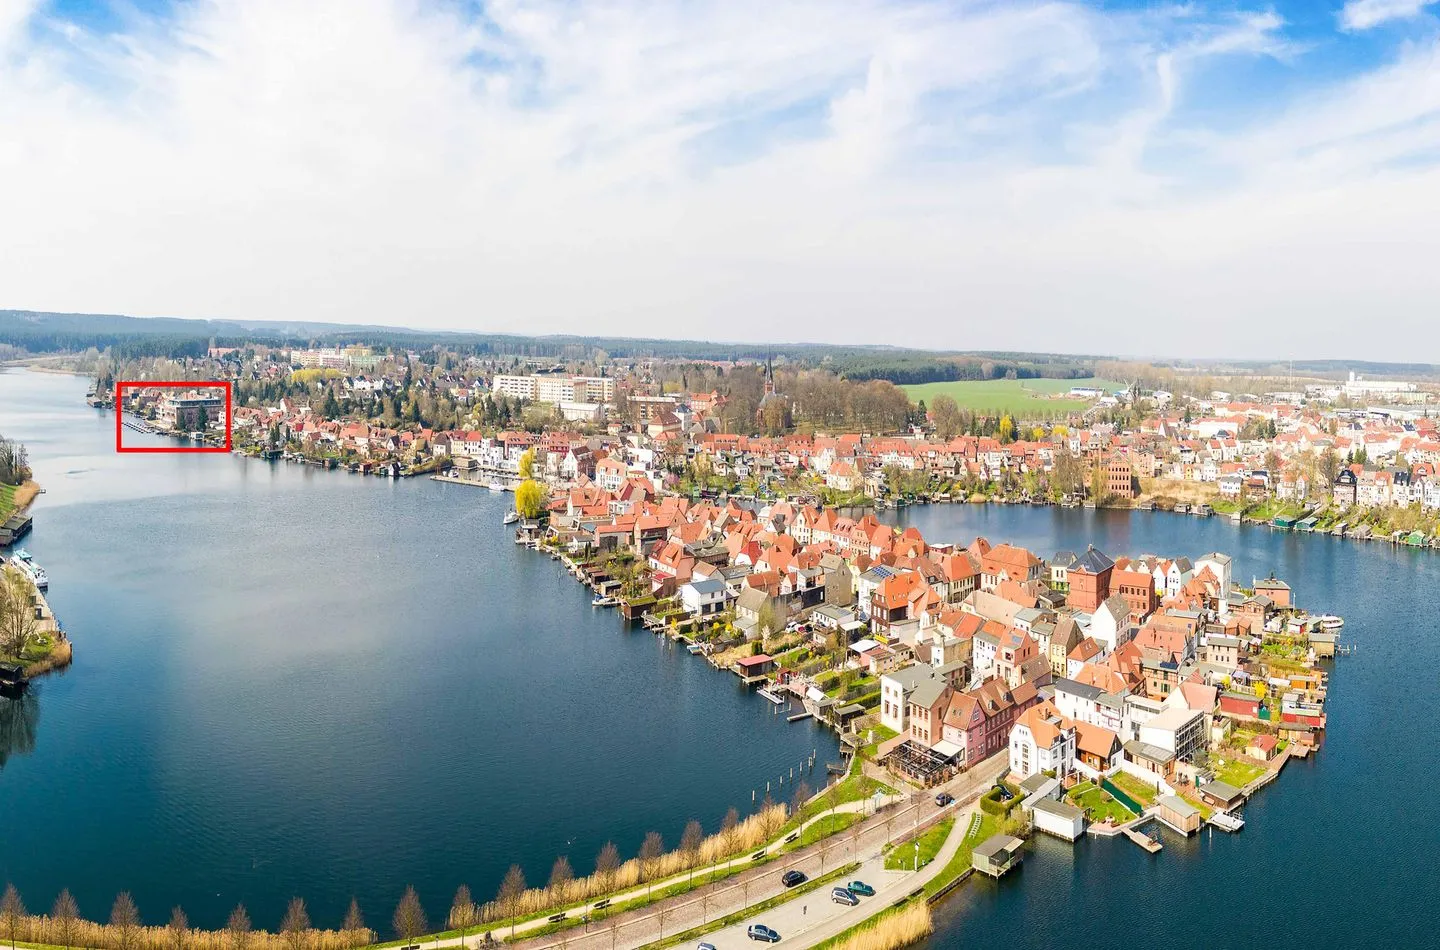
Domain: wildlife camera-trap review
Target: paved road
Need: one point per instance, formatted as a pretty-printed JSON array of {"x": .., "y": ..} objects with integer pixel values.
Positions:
[
  {"x": 859, "y": 843},
  {"x": 815, "y": 917}
]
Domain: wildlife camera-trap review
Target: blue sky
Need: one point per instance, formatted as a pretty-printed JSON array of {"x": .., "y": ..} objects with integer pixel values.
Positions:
[{"x": 1190, "y": 178}]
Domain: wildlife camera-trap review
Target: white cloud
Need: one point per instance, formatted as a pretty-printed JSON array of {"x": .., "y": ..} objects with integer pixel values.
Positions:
[
  {"x": 1366, "y": 14},
  {"x": 953, "y": 175}
]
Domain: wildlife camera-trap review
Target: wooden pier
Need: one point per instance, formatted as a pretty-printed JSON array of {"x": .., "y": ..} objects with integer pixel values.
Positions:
[{"x": 1143, "y": 840}]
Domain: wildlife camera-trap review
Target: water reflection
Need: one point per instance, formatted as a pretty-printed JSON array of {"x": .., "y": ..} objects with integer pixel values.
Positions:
[{"x": 19, "y": 719}]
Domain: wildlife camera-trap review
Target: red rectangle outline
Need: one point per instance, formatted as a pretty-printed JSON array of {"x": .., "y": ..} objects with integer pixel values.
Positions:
[{"x": 176, "y": 384}]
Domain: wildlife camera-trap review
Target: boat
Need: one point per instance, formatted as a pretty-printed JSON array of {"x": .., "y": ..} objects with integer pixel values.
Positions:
[
  {"x": 695, "y": 648},
  {"x": 27, "y": 566},
  {"x": 1330, "y": 622},
  {"x": 497, "y": 486},
  {"x": 770, "y": 695},
  {"x": 511, "y": 517},
  {"x": 604, "y": 602}
]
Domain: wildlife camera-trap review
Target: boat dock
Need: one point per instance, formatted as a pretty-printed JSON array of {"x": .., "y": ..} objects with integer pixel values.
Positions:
[
  {"x": 1150, "y": 844},
  {"x": 1226, "y": 821},
  {"x": 15, "y": 528}
]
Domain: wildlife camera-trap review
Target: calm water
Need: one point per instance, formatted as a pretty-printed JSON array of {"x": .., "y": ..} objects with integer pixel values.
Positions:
[
  {"x": 1338, "y": 853},
  {"x": 293, "y": 682}
]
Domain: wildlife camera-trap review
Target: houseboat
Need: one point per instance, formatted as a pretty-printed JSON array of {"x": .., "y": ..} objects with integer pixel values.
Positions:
[{"x": 26, "y": 565}]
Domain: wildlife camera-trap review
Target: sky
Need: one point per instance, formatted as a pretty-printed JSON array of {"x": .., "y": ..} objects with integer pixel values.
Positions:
[{"x": 1145, "y": 179}]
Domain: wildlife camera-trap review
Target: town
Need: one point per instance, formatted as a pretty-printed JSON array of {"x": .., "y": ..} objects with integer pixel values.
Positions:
[{"x": 1352, "y": 457}]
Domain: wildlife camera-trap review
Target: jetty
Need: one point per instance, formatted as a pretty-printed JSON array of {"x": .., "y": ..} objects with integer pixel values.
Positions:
[{"x": 1145, "y": 841}]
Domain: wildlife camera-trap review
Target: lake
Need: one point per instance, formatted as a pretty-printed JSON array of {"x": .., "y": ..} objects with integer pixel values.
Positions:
[
  {"x": 296, "y": 682},
  {"x": 300, "y": 682}
]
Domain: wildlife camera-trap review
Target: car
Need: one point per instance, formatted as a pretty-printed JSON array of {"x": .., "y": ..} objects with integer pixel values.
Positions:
[
  {"x": 762, "y": 932},
  {"x": 705, "y": 946},
  {"x": 860, "y": 888},
  {"x": 943, "y": 799},
  {"x": 1003, "y": 793},
  {"x": 792, "y": 878},
  {"x": 842, "y": 895}
]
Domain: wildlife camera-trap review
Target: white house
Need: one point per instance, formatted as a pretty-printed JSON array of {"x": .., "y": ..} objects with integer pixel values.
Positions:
[
  {"x": 704, "y": 598},
  {"x": 1042, "y": 740}
]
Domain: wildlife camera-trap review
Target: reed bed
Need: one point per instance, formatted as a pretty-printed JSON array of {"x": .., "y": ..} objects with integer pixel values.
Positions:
[
  {"x": 892, "y": 931},
  {"x": 747, "y": 835},
  {"x": 41, "y": 929}
]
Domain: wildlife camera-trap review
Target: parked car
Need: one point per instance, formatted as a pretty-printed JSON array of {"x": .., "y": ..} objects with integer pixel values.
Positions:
[
  {"x": 943, "y": 799},
  {"x": 861, "y": 888},
  {"x": 792, "y": 878},
  {"x": 705, "y": 946},
  {"x": 842, "y": 895},
  {"x": 762, "y": 932},
  {"x": 1003, "y": 793}
]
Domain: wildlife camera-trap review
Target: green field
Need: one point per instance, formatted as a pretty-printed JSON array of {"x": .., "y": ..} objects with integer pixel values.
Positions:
[{"x": 1018, "y": 397}]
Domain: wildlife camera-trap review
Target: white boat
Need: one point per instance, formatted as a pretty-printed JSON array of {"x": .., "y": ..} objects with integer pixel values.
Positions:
[
  {"x": 604, "y": 602},
  {"x": 497, "y": 486},
  {"x": 26, "y": 565},
  {"x": 768, "y": 694},
  {"x": 1330, "y": 622},
  {"x": 511, "y": 517}
]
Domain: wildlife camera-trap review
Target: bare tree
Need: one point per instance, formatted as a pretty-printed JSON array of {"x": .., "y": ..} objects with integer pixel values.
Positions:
[
  {"x": 662, "y": 913},
  {"x": 463, "y": 912},
  {"x": 650, "y": 851},
  {"x": 17, "y": 612},
  {"x": 730, "y": 831},
  {"x": 561, "y": 876},
  {"x": 802, "y": 795},
  {"x": 12, "y": 909},
  {"x": 690, "y": 840},
  {"x": 607, "y": 864},
  {"x": 511, "y": 890},
  {"x": 409, "y": 919},
  {"x": 125, "y": 922},
  {"x": 704, "y": 906},
  {"x": 67, "y": 916},
  {"x": 356, "y": 934},
  {"x": 295, "y": 927},
  {"x": 177, "y": 932},
  {"x": 238, "y": 927},
  {"x": 770, "y": 818},
  {"x": 614, "y": 933}
]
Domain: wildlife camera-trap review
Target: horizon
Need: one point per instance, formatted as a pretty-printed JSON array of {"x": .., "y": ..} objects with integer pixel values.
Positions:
[{"x": 1205, "y": 179}]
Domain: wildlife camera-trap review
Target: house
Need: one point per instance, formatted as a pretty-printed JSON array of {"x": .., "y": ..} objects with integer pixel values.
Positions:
[
  {"x": 1110, "y": 624},
  {"x": 1096, "y": 747},
  {"x": 1042, "y": 740},
  {"x": 704, "y": 598},
  {"x": 1089, "y": 579},
  {"x": 1179, "y": 731}
]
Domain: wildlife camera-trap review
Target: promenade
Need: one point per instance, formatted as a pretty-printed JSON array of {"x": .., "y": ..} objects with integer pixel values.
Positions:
[{"x": 861, "y": 843}]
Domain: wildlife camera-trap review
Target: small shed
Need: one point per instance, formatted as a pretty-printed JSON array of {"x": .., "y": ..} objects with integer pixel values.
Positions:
[
  {"x": 1177, "y": 813},
  {"x": 1263, "y": 747},
  {"x": 997, "y": 854},
  {"x": 1061, "y": 819},
  {"x": 751, "y": 667},
  {"x": 1222, "y": 795}
]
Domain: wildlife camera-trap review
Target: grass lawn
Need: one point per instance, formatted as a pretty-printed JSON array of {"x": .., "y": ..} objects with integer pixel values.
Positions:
[
  {"x": 1026, "y": 398},
  {"x": 989, "y": 824},
  {"x": 851, "y": 789},
  {"x": 1132, "y": 786},
  {"x": 902, "y": 856},
  {"x": 1098, "y": 803},
  {"x": 7, "y": 500},
  {"x": 1237, "y": 772},
  {"x": 829, "y": 825}
]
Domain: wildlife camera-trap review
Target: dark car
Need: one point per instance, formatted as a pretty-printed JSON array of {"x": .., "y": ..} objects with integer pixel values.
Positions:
[
  {"x": 861, "y": 888},
  {"x": 762, "y": 932},
  {"x": 793, "y": 878},
  {"x": 842, "y": 895},
  {"x": 1002, "y": 793},
  {"x": 943, "y": 799}
]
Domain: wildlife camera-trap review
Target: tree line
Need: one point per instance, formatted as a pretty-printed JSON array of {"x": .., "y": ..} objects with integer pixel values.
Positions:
[{"x": 124, "y": 929}]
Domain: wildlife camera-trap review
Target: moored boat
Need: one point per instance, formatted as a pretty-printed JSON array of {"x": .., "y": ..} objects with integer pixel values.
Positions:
[
  {"x": 27, "y": 566},
  {"x": 511, "y": 517}
]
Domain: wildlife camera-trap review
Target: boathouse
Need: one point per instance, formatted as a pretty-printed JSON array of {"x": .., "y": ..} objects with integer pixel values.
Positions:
[
  {"x": 1061, "y": 819},
  {"x": 752, "y": 668},
  {"x": 1178, "y": 814},
  {"x": 997, "y": 854}
]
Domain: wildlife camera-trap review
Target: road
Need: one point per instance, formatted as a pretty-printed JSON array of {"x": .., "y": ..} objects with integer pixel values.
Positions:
[{"x": 860, "y": 843}]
